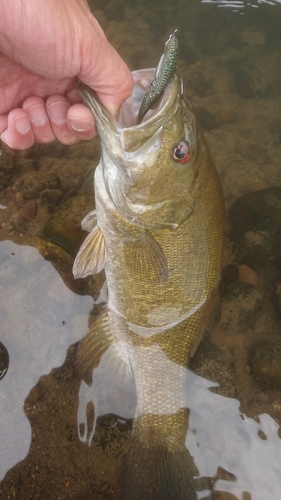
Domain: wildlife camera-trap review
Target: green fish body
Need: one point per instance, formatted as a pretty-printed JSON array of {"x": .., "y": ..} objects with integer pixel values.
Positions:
[{"x": 157, "y": 231}]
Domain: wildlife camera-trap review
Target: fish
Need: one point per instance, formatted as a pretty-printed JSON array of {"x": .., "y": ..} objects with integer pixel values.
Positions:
[{"x": 157, "y": 232}]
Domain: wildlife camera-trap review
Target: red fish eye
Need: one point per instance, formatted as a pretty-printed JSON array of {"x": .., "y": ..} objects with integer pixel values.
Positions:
[{"x": 181, "y": 152}]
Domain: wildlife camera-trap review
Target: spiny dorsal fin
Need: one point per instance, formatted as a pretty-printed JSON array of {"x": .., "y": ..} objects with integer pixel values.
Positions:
[
  {"x": 145, "y": 257},
  {"x": 91, "y": 257},
  {"x": 94, "y": 344},
  {"x": 90, "y": 221}
]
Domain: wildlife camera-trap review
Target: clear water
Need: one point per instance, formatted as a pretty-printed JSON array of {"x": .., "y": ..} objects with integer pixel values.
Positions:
[{"x": 230, "y": 62}]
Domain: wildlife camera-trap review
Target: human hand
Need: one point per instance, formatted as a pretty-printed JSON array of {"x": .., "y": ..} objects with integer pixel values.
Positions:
[{"x": 45, "y": 45}]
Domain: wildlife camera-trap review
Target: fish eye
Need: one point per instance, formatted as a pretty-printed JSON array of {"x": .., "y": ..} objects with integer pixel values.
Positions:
[{"x": 181, "y": 152}]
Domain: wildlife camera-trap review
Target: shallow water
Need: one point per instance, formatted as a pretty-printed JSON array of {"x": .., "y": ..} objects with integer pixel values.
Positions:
[{"x": 230, "y": 61}]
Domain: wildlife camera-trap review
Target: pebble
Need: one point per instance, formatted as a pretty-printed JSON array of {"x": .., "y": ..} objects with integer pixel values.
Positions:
[
  {"x": 248, "y": 275},
  {"x": 242, "y": 303},
  {"x": 212, "y": 363},
  {"x": 29, "y": 210},
  {"x": 265, "y": 363}
]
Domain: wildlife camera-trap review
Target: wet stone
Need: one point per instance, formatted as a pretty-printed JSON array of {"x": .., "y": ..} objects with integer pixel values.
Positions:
[
  {"x": 29, "y": 210},
  {"x": 208, "y": 120},
  {"x": 212, "y": 363},
  {"x": 64, "y": 226},
  {"x": 51, "y": 196},
  {"x": 265, "y": 363},
  {"x": 243, "y": 84},
  {"x": 229, "y": 275},
  {"x": 253, "y": 152},
  {"x": 32, "y": 185},
  {"x": 6, "y": 170},
  {"x": 242, "y": 303},
  {"x": 252, "y": 36},
  {"x": 256, "y": 227}
]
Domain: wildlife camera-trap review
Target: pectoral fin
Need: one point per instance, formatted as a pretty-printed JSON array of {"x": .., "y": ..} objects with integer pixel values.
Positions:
[
  {"x": 91, "y": 257},
  {"x": 90, "y": 221},
  {"x": 146, "y": 258}
]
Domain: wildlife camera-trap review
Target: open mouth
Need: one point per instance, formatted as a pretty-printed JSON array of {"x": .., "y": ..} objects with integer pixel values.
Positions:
[{"x": 129, "y": 110}]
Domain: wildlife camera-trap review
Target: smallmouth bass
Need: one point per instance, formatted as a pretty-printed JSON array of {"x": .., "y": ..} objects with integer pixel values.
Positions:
[{"x": 157, "y": 232}]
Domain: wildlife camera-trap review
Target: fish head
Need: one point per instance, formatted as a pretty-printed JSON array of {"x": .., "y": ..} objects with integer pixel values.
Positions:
[{"x": 150, "y": 169}]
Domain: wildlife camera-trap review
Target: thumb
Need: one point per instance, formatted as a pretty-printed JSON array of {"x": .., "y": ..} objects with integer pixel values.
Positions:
[{"x": 104, "y": 70}]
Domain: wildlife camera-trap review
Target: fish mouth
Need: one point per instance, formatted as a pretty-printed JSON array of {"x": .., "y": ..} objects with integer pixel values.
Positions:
[
  {"x": 122, "y": 133},
  {"x": 128, "y": 113}
]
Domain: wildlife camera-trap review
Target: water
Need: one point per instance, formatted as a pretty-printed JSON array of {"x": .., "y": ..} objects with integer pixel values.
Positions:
[{"x": 230, "y": 62}]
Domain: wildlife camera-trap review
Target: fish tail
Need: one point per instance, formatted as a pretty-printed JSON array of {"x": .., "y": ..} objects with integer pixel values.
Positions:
[{"x": 156, "y": 473}]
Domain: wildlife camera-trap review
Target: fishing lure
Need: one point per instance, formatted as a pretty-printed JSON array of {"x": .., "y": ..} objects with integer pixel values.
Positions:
[{"x": 165, "y": 71}]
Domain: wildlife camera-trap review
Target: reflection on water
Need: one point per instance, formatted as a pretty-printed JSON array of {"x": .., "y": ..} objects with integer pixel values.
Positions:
[
  {"x": 40, "y": 318},
  {"x": 219, "y": 435},
  {"x": 231, "y": 68},
  {"x": 236, "y": 5}
]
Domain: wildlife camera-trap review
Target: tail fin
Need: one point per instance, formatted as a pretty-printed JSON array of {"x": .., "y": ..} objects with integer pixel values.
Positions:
[{"x": 159, "y": 474}]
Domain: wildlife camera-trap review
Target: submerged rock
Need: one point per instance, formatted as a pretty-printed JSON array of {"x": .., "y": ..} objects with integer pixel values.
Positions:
[
  {"x": 242, "y": 303},
  {"x": 64, "y": 226},
  {"x": 213, "y": 364},
  {"x": 256, "y": 227},
  {"x": 6, "y": 169},
  {"x": 265, "y": 363}
]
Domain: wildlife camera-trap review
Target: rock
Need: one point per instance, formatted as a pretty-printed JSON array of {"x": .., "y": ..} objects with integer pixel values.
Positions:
[
  {"x": 247, "y": 275},
  {"x": 29, "y": 210},
  {"x": 265, "y": 363},
  {"x": 253, "y": 37},
  {"x": 208, "y": 120},
  {"x": 229, "y": 275},
  {"x": 256, "y": 227},
  {"x": 6, "y": 169},
  {"x": 212, "y": 363},
  {"x": 242, "y": 303},
  {"x": 32, "y": 184},
  {"x": 51, "y": 196},
  {"x": 243, "y": 83},
  {"x": 64, "y": 226}
]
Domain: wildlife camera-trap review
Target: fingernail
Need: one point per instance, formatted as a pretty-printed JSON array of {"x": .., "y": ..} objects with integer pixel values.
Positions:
[
  {"x": 58, "y": 112},
  {"x": 79, "y": 125},
  {"x": 37, "y": 114},
  {"x": 22, "y": 124}
]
